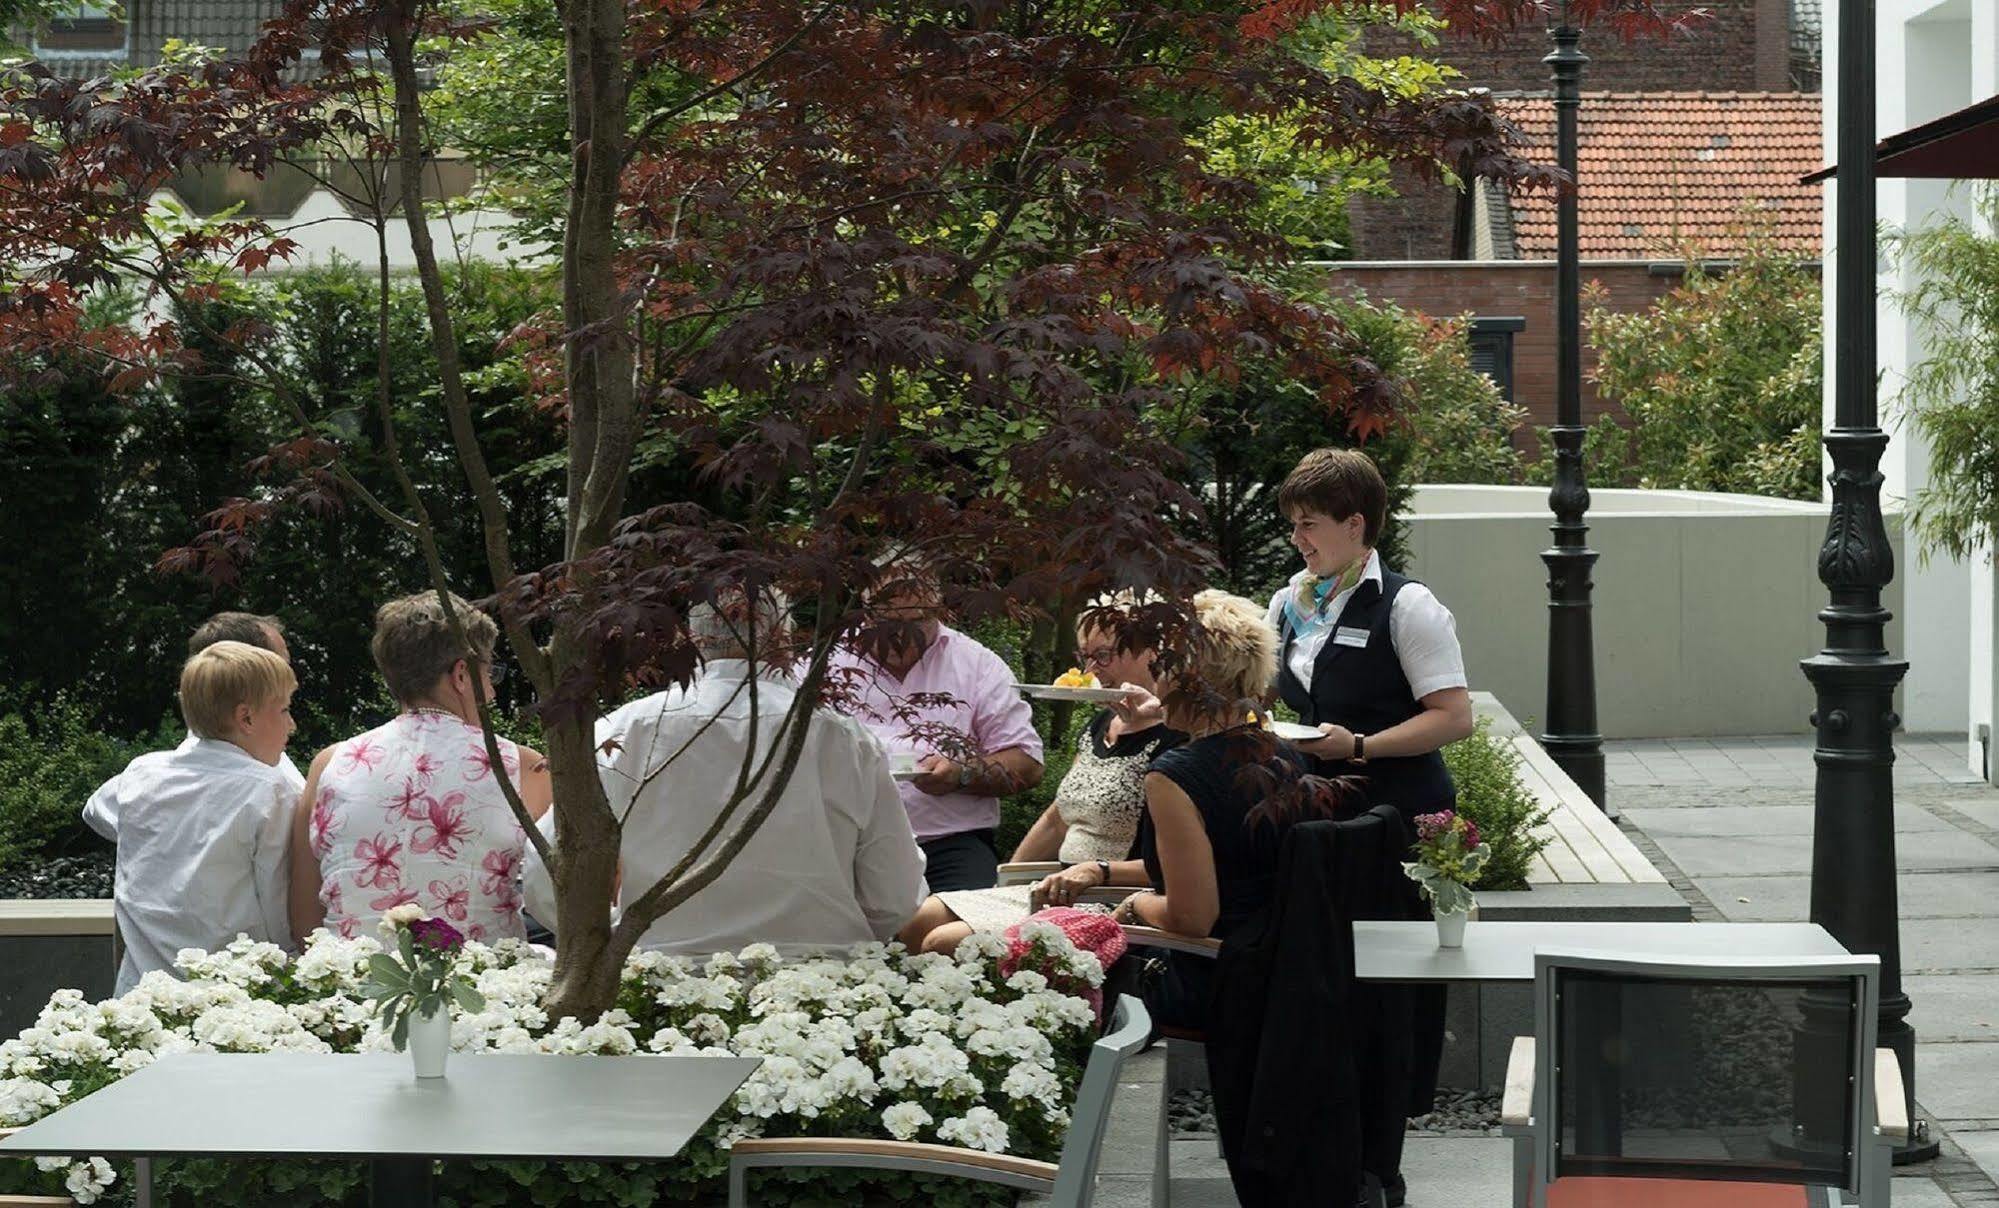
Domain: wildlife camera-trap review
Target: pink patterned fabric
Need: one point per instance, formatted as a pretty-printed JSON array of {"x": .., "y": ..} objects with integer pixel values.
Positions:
[
  {"x": 1087, "y": 930},
  {"x": 411, "y": 812}
]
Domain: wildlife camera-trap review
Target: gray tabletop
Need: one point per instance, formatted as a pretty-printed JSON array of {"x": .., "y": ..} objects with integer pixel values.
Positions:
[
  {"x": 1408, "y": 952},
  {"x": 368, "y": 1105}
]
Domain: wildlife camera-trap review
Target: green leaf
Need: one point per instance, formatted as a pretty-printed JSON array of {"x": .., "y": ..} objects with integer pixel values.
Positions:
[
  {"x": 383, "y": 968},
  {"x": 469, "y": 1000}
]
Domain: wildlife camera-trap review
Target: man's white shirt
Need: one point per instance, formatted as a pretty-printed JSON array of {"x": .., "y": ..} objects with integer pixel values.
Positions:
[
  {"x": 834, "y": 864},
  {"x": 203, "y": 834}
]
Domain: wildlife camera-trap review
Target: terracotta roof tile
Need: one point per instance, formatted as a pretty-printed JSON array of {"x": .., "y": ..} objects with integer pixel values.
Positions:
[{"x": 1659, "y": 168}]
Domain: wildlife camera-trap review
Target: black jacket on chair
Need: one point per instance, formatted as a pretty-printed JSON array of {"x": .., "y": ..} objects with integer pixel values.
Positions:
[{"x": 1310, "y": 1068}]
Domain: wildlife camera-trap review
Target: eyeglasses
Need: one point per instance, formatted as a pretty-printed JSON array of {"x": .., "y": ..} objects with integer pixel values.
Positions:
[
  {"x": 1101, "y": 655},
  {"x": 497, "y": 672}
]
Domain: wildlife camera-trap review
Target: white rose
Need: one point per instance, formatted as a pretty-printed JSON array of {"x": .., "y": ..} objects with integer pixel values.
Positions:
[
  {"x": 398, "y": 917},
  {"x": 979, "y": 1128},
  {"x": 905, "y": 1120}
]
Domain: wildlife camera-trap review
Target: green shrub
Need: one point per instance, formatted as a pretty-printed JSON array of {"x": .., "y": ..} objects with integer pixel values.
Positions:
[
  {"x": 1721, "y": 379},
  {"x": 1492, "y": 794},
  {"x": 50, "y": 763}
]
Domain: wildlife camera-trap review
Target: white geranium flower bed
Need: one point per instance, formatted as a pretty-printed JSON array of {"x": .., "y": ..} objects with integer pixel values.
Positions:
[{"x": 984, "y": 1050}]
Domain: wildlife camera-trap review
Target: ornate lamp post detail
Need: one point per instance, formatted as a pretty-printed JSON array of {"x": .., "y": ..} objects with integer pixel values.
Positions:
[
  {"x": 1571, "y": 736},
  {"x": 1853, "y": 836}
]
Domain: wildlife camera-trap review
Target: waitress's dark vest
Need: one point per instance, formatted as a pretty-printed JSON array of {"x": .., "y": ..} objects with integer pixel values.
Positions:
[{"x": 1363, "y": 689}]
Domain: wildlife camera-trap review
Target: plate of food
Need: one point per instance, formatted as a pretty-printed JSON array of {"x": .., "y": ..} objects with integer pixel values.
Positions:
[
  {"x": 1291, "y": 731},
  {"x": 1073, "y": 684}
]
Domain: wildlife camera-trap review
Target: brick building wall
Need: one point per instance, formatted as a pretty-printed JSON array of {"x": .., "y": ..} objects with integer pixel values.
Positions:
[{"x": 1510, "y": 288}]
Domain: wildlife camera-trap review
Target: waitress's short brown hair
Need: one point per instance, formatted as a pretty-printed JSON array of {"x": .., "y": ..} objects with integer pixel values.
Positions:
[{"x": 1337, "y": 483}]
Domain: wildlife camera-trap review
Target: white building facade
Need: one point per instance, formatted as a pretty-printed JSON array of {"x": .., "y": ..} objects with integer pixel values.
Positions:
[{"x": 1932, "y": 57}]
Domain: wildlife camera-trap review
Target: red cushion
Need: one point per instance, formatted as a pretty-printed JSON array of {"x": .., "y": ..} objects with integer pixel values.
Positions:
[{"x": 1595, "y": 1191}]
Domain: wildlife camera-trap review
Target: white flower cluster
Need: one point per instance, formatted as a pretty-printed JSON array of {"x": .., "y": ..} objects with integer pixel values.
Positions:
[{"x": 879, "y": 1042}]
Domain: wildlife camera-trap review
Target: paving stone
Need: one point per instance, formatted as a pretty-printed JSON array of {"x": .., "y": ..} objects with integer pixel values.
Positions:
[
  {"x": 1919, "y": 1191},
  {"x": 1951, "y": 944},
  {"x": 1787, "y": 898},
  {"x": 1963, "y": 1006},
  {"x": 1723, "y": 820},
  {"x": 1458, "y": 1172},
  {"x": 1753, "y": 855},
  {"x": 1956, "y": 1081},
  {"x": 1981, "y": 1147}
]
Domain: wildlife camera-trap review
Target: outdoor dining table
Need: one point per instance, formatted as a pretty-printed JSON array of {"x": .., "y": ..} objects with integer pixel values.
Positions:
[
  {"x": 368, "y": 1106},
  {"x": 1504, "y": 951}
]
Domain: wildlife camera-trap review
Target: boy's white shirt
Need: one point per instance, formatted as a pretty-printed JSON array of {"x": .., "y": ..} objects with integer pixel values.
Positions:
[
  {"x": 203, "y": 834},
  {"x": 100, "y": 813}
]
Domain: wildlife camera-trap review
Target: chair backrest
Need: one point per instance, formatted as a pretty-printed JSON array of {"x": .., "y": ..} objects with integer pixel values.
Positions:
[
  {"x": 1077, "y": 1176},
  {"x": 1745, "y": 1070}
]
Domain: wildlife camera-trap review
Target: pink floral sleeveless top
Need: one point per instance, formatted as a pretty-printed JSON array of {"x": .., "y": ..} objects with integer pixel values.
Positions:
[{"x": 411, "y": 812}]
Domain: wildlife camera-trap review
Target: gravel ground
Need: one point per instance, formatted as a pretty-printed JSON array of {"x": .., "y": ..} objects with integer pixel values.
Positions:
[
  {"x": 86, "y": 876},
  {"x": 1456, "y": 1112}
]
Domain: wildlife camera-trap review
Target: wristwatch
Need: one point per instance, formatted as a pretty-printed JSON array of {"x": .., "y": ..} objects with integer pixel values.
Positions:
[
  {"x": 965, "y": 775},
  {"x": 1358, "y": 757},
  {"x": 1104, "y": 867}
]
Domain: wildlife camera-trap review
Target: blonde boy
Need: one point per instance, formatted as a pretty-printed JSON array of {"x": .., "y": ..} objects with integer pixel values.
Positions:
[{"x": 203, "y": 830}]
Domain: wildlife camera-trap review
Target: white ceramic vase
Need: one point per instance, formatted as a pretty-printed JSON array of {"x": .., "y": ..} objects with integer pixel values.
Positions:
[
  {"x": 430, "y": 1042},
  {"x": 1451, "y": 928}
]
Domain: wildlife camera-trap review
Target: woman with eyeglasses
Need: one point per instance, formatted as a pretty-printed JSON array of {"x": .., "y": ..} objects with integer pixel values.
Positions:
[
  {"x": 414, "y": 811},
  {"x": 1092, "y": 824}
]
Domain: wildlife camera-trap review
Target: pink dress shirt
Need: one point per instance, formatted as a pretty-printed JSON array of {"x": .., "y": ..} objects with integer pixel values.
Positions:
[{"x": 985, "y": 707}]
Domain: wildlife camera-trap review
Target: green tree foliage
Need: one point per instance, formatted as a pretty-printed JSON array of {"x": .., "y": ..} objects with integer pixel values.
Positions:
[
  {"x": 1952, "y": 397},
  {"x": 99, "y": 485},
  {"x": 1720, "y": 380}
]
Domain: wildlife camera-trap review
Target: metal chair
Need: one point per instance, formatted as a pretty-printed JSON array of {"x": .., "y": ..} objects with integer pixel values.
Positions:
[
  {"x": 1180, "y": 1044},
  {"x": 1069, "y": 1183},
  {"x": 1740, "y": 1083},
  {"x": 1027, "y": 872}
]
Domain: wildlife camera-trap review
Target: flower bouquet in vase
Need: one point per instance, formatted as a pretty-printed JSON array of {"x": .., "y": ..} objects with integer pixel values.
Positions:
[
  {"x": 413, "y": 987},
  {"x": 1449, "y": 856}
]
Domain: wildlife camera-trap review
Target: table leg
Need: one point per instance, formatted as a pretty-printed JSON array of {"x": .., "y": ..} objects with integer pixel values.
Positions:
[
  {"x": 142, "y": 1183},
  {"x": 401, "y": 1183}
]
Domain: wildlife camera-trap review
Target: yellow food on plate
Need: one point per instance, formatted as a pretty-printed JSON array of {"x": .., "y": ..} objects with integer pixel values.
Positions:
[{"x": 1076, "y": 677}]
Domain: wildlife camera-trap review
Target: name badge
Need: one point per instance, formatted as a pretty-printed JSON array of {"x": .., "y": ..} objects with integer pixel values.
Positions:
[{"x": 1350, "y": 635}]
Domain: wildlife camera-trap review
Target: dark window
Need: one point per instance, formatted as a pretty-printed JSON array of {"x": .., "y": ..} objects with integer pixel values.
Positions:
[
  {"x": 83, "y": 30},
  {"x": 1492, "y": 350}
]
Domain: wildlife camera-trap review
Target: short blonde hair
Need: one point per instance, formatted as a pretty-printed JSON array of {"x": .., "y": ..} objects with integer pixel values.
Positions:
[
  {"x": 217, "y": 678},
  {"x": 413, "y": 646},
  {"x": 1233, "y": 653}
]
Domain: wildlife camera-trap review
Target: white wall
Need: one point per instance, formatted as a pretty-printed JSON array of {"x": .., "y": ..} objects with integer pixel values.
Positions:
[
  {"x": 1932, "y": 57},
  {"x": 1704, "y": 603},
  {"x": 324, "y": 229}
]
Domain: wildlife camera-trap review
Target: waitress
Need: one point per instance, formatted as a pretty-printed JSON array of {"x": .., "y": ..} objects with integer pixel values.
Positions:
[
  {"x": 1372, "y": 660},
  {"x": 1369, "y": 657}
]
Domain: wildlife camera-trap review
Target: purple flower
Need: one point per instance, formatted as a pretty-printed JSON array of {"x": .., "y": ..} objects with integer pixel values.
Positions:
[
  {"x": 437, "y": 935},
  {"x": 1471, "y": 832},
  {"x": 1433, "y": 826}
]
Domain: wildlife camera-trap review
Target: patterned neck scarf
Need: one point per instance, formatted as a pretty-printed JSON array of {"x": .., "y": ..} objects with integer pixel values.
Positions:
[{"x": 1308, "y": 602}]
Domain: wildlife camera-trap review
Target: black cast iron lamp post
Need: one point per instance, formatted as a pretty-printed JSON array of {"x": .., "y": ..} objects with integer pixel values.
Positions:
[
  {"x": 1571, "y": 737},
  {"x": 1853, "y": 830}
]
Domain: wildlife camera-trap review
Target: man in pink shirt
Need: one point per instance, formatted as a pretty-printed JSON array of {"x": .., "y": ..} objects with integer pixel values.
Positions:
[{"x": 953, "y": 803}]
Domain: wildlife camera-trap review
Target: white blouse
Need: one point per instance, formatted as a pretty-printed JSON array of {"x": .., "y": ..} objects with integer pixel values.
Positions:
[{"x": 1423, "y": 631}]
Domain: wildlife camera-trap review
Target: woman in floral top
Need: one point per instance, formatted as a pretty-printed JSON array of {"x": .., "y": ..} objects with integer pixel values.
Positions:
[{"x": 413, "y": 811}]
